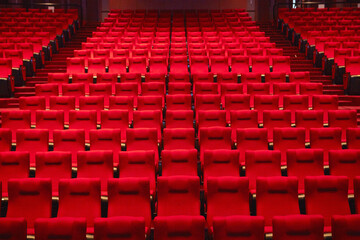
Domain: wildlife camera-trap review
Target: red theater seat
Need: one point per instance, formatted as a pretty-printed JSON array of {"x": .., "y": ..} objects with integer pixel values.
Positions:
[
  {"x": 327, "y": 196},
  {"x": 131, "y": 227},
  {"x": 239, "y": 227},
  {"x": 13, "y": 228},
  {"x": 227, "y": 196},
  {"x": 32, "y": 141},
  {"x": 96, "y": 164},
  {"x": 343, "y": 119},
  {"x": 304, "y": 162},
  {"x": 139, "y": 163},
  {"x": 178, "y": 195},
  {"x": 16, "y": 119},
  {"x": 326, "y": 139},
  {"x": 175, "y": 227},
  {"x": 309, "y": 119},
  {"x": 179, "y": 162},
  {"x": 29, "y": 198},
  {"x": 13, "y": 165},
  {"x": 219, "y": 163},
  {"x": 69, "y": 228},
  {"x": 345, "y": 227},
  {"x": 69, "y": 140},
  {"x": 134, "y": 194},
  {"x": 53, "y": 165},
  {"x": 73, "y": 193},
  {"x": 276, "y": 196},
  {"x": 297, "y": 226},
  {"x": 345, "y": 163}
]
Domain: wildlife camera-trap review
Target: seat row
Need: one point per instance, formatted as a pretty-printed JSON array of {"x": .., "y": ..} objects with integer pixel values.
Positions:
[
  {"x": 107, "y": 164},
  {"x": 188, "y": 227},
  {"x": 293, "y": 77},
  {"x": 84, "y": 86},
  {"x": 37, "y": 140},
  {"x": 260, "y": 101},
  {"x": 198, "y": 64},
  {"x": 180, "y": 195}
]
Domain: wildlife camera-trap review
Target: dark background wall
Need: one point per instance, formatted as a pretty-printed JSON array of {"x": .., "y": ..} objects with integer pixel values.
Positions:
[{"x": 96, "y": 10}]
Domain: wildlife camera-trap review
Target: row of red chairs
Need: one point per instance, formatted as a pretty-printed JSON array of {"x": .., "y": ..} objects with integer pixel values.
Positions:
[
  {"x": 135, "y": 89},
  {"x": 221, "y": 78},
  {"x": 180, "y": 195},
  {"x": 193, "y": 227},
  {"x": 55, "y": 119},
  {"x": 37, "y": 140},
  {"x": 106, "y": 165},
  {"x": 198, "y": 64}
]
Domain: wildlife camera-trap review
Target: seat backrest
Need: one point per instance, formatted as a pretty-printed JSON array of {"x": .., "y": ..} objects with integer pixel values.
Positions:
[
  {"x": 220, "y": 163},
  {"x": 345, "y": 227},
  {"x": 175, "y": 227},
  {"x": 245, "y": 227},
  {"x": 69, "y": 228},
  {"x": 262, "y": 163},
  {"x": 179, "y": 162},
  {"x": 13, "y": 228},
  {"x": 72, "y": 195},
  {"x": 227, "y": 196},
  {"x": 276, "y": 196},
  {"x": 29, "y": 198},
  {"x": 296, "y": 226},
  {"x": 345, "y": 163},
  {"x": 13, "y": 165},
  {"x": 178, "y": 195},
  {"x": 96, "y": 164},
  {"x": 84, "y": 119},
  {"x": 179, "y": 119},
  {"x": 304, "y": 162},
  {"x": 327, "y": 196},
  {"x": 32, "y": 103},
  {"x": 134, "y": 195},
  {"x": 65, "y": 103},
  {"x": 105, "y": 228},
  {"x": 179, "y": 138},
  {"x": 50, "y": 119},
  {"x": 136, "y": 164}
]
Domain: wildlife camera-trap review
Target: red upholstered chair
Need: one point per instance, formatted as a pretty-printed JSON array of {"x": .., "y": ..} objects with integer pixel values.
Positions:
[
  {"x": 345, "y": 227},
  {"x": 69, "y": 228},
  {"x": 327, "y": 196},
  {"x": 29, "y": 198},
  {"x": 73, "y": 193},
  {"x": 262, "y": 163},
  {"x": 32, "y": 141},
  {"x": 178, "y": 195},
  {"x": 96, "y": 164},
  {"x": 304, "y": 162},
  {"x": 134, "y": 196},
  {"x": 227, "y": 196},
  {"x": 243, "y": 227},
  {"x": 276, "y": 196},
  {"x": 69, "y": 140},
  {"x": 298, "y": 226},
  {"x": 13, "y": 228},
  {"x": 131, "y": 227},
  {"x": 13, "y": 165},
  {"x": 174, "y": 227},
  {"x": 139, "y": 163},
  {"x": 179, "y": 162}
]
